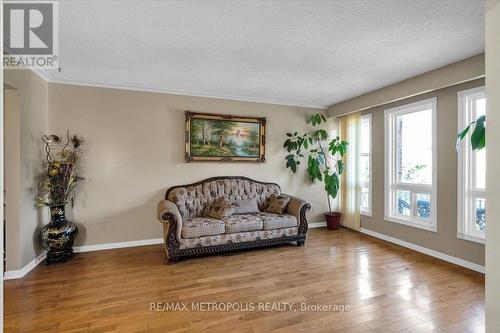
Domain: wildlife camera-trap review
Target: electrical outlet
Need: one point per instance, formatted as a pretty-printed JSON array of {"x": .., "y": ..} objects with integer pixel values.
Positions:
[{"x": 102, "y": 225}]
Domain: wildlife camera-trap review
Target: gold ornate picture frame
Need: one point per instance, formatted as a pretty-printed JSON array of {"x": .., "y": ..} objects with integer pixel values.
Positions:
[{"x": 224, "y": 138}]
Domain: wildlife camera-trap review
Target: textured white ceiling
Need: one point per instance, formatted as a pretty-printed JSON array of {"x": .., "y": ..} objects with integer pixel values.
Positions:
[{"x": 312, "y": 53}]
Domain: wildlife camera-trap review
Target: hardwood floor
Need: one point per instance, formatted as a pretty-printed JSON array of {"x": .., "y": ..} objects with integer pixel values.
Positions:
[{"x": 388, "y": 288}]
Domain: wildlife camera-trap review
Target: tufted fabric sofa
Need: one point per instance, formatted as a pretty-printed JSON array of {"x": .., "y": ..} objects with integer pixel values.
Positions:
[{"x": 188, "y": 232}]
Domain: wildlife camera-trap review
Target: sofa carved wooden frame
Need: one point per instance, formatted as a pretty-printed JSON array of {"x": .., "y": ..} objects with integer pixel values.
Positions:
[{"x": 172, "y": 243}]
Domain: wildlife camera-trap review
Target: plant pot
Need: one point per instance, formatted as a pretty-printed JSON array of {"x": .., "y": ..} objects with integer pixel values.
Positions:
[{"x": 333, "y": 220}]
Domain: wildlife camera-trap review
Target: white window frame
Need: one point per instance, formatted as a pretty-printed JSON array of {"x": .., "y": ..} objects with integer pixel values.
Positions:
[
  {"x": 391, "y": 184},
  {"x": 368, "y": 211},
  {"x": 467, "y": 191}
]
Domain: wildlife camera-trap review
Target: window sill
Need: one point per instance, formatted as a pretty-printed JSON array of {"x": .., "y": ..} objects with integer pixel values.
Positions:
[
  {"x": 414, "y": 224},
  {"x": 470, "y": 238},
  {"x": 368, "y": 214}
]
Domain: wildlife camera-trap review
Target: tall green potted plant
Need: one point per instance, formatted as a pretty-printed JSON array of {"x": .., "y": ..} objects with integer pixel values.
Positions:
[{"x": 324, "y": 160}]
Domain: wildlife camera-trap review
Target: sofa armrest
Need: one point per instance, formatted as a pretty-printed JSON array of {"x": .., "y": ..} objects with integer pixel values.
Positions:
[
  {"x": 168, "y": 212},
  {"x": 298, "y": 208}
]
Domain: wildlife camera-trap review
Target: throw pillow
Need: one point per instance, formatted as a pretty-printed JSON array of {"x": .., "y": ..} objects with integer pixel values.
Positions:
[
  {"x": 247, "y": 206},
  {"x": 222, "y": 208},
  {"x": 277, "y": 203}
]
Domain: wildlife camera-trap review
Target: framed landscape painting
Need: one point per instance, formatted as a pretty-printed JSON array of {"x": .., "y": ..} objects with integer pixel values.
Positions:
[{"x": 225, "y": 138}]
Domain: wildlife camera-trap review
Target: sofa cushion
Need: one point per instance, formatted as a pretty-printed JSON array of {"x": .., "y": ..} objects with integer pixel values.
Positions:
[
  {"x": 247, "y": 206},
  {"x": 249, "y": 236},
  {"x": 202, "y": 226},
  {"x": 277, "y": 203},
  {"x": 222, "y": 208},
  {"x": 276, "y": 221},
  {"x": 243, "y": 222}
]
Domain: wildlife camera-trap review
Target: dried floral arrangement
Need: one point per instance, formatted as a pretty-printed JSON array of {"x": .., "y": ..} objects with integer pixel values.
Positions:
[{"x": 60, "y": 175}]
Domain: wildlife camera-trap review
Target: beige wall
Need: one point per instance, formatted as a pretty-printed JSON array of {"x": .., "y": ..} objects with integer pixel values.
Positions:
[
  {"x": 445, "y": 239},
  {"x": 12, "y": 177},
  {"x": 33, "y": 94},
  {"x": 135, "y": 150},
  {"x": 446, "y": 76},
  {"x": 492, "y": 166}
]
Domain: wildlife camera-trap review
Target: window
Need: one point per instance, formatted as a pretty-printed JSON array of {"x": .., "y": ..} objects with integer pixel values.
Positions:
[
  {"x": 471, "y": 171},
  {"x": 410, "y": 164},
  {"x": 365, "y": 163}
]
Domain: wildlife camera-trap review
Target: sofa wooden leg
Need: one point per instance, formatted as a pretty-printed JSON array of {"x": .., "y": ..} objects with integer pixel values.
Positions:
[
  {"x": 301, "y": 242},
  {"x": 172, "y": 260}
]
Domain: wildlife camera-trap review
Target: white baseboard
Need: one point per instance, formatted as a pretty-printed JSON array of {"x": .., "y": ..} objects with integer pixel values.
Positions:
[
  {"x": 16, "y": 274},
  {"x": 424, "y": 250},
  {"x": 119, "y": 245},
  {"x": 19, "y": 273},
  {"x": 317, "y": 225},
  {"x": 99, "y": 247}
]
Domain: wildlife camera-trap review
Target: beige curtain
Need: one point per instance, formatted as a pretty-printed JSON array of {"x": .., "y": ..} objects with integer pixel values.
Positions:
[{"x": 350, "y": 189}]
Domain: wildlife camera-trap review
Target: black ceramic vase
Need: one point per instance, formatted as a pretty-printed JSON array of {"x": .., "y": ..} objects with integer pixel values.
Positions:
[{"x": 58, "y": 236}]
